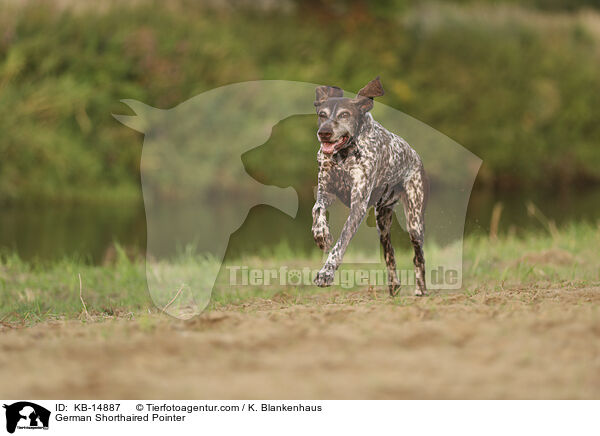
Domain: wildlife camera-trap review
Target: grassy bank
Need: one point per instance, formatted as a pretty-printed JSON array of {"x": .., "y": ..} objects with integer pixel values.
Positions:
[
  {"x": 565, "y": 258},
  {"x": 501, "y": 80}
]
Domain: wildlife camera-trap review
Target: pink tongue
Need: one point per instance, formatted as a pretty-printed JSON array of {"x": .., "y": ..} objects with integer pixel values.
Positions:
[{"x": 327, "y": 147}]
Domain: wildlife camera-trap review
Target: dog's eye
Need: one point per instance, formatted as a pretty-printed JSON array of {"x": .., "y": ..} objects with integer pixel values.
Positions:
[
  {"x": 322, "y": 114},
  {"x": 344, "y": 115}
]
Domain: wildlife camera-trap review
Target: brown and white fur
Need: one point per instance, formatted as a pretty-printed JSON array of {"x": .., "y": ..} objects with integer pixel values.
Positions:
[{"x": 364, "y": 165}]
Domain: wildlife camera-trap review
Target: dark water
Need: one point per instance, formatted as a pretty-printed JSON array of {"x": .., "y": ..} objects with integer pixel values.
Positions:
[
  {"x": 561, "y": 207},
  {"x": 51, "y": 232}
]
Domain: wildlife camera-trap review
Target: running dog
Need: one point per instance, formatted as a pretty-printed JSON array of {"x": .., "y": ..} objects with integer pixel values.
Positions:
[{"x": 364, "y": 165}]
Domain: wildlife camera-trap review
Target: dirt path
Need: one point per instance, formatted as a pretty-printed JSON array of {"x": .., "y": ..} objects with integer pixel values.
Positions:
[{"x": 533, "y": 343}]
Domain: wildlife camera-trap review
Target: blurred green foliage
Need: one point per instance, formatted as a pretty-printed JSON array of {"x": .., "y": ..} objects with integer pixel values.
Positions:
[{"x": 518, "y": 87}]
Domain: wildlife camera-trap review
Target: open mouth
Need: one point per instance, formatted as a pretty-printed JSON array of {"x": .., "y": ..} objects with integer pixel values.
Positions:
[{"x": 332, "y": 147}]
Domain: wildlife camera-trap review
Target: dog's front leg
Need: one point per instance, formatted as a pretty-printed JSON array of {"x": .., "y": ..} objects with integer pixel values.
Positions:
[
  {"x": 358, "y": 210},
  {"x": 320, "y": 228}
]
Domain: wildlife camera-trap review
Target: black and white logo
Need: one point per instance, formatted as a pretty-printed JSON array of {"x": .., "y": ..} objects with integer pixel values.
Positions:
[{"x": 26, "y": 415}]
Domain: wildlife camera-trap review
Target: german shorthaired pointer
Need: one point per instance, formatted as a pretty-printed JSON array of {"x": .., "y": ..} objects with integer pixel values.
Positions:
[{"x": 364, "y": 165}]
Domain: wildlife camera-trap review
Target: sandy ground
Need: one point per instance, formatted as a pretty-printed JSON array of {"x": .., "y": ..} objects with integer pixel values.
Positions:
[{"x": 520, "y": 343}]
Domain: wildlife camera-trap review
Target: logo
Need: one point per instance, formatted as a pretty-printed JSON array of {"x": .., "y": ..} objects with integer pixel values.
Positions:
[
  {"x": 26, "y": 415},
  {"x": 200, "y": 196}
]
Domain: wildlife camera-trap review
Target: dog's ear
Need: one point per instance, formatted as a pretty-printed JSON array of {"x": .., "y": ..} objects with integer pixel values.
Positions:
[
  {"x": 372, "y": 89},
  {"x": 324, "y": 92},
  {"x": 364, "y": 98},
  {"x": 364, "y": 104}
]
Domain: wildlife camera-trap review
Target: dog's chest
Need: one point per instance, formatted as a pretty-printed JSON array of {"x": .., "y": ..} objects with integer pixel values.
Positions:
[
  {"x": 346, "y": 170},
  {"x": 378, "y": 163}
]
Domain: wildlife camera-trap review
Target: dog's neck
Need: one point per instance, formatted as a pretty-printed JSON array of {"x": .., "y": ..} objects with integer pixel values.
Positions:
[{"x": 364, "y": 128}]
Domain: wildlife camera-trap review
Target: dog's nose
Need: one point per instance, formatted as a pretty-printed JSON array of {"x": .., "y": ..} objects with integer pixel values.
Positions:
[{"x": 325, "y": 135}]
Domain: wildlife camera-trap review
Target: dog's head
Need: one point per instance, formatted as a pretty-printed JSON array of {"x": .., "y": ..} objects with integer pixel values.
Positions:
[{"x": 340, "y": 118}]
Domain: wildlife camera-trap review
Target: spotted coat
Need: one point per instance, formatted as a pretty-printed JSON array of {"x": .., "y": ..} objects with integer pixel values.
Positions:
[{"x": 372, "y": 168}]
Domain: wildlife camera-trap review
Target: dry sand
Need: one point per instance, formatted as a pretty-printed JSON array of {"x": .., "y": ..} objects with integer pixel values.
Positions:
[{"x": 519, "y": 343}]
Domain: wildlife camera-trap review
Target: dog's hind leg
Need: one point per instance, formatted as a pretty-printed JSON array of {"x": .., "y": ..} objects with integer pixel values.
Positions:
[
  {"x": 383, "y": 218},
  {"x": 414, "y": 199}
]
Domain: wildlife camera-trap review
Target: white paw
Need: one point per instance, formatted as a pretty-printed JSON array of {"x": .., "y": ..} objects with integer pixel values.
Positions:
[{"x": 324, "y": 277}]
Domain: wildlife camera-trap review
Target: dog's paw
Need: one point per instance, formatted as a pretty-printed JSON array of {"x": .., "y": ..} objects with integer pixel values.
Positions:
[
  {"x": 323, "y": 238},
  {"x": 324, "y": 277},
  {"x": 420, "y": 292}
]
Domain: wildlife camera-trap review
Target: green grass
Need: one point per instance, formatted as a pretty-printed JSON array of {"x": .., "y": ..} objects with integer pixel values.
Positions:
[
  {"x": 568, "y": 254},
  {"x": 34, "y": 292}
]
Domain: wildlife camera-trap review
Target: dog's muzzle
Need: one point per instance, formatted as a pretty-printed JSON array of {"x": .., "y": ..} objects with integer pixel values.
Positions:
[{"x": 330, "y": 147}]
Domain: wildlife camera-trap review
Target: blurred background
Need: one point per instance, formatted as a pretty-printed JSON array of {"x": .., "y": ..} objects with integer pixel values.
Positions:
[{"x": 516, "y": 83}]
